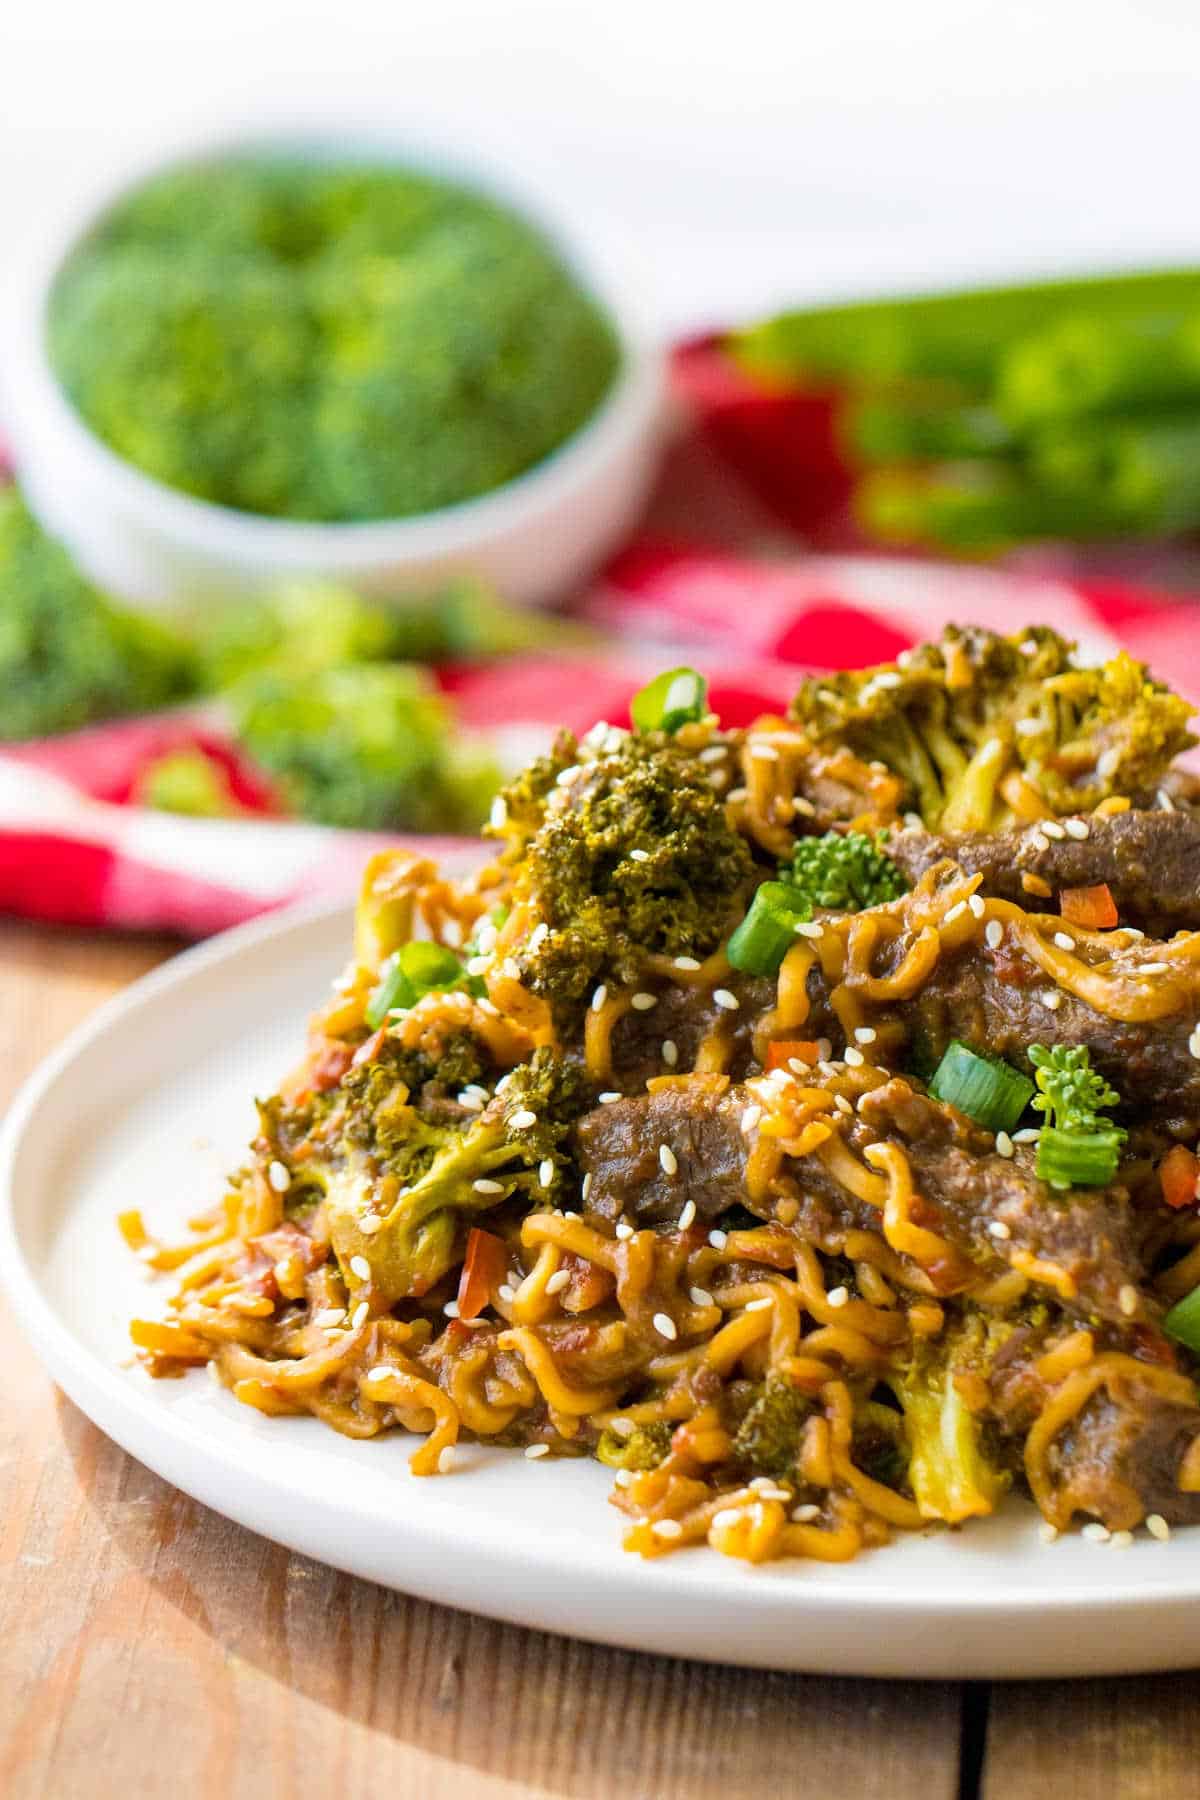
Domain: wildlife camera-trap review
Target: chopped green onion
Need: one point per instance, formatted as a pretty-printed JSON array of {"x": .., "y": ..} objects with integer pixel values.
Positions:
[
  {"x": 415, "y": 969},
  {"x": 1079, "y": 1158},
  {"x": 674, "y": 698},
  {"x": 986, "y": 1088},
  {"x": 768, "y": 931},
  {"x": 1183, "y": 1321}
]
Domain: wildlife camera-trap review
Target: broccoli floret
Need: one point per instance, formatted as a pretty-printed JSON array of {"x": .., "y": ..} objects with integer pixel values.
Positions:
[
  {"x": 369, "y": 747},
  {"x": 439, "y": 1167},
  {"x": 950, "y": 1471},
  {"x": 344, "y": 344},
  {"x": 633, "y": 857},
  {"x": 843, "y": 871},
  {"x": 768, "y": 1439},
  {"x": 973, "y": 710},
  {"x": 68, "y": 655},
  {"x": 298, "y": 630},
  {"x": 1076, "y": 1146},
  {"x": 645, "y": 1447}
]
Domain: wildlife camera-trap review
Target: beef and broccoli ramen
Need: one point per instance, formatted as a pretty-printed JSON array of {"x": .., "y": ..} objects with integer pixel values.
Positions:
[{"x": 800, "y": 1120}]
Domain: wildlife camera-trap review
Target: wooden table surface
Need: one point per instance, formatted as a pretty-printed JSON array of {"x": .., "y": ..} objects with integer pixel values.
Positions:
[{"x": 148, "y": 1647}]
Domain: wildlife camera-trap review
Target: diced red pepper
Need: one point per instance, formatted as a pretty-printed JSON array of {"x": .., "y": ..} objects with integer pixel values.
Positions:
[
  {"x": 786, "y": 1050},
  {"x": 483, "y": 1272},
  {"x": 1178, "y": 1171},
  {"x": 1092, "y": 907}
]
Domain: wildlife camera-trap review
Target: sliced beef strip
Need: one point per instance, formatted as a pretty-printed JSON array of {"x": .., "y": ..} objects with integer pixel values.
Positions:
[
  {"x": 685, "y": 1016},
  {"x": 619, "y": 1144},
  {"x": 995, "y": 1000},
  {"x": 1149, "y": 860},
  {"x": 1120, "y": 1456},
  {"x": 1091, "y": 1234}
]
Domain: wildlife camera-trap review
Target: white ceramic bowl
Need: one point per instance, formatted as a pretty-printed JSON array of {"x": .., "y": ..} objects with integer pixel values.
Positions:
[{"x": 534, "y": 538}]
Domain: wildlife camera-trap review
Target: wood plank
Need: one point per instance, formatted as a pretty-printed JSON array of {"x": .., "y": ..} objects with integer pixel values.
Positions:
[
  {"x": 149, "y": 1646},
  {"x": 1131, "y": 1739}
]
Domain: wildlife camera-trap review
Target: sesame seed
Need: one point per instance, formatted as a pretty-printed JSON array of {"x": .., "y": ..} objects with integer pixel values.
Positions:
[
  {"x": 546, "y": 1171},
  {"x": 1029, "y": 1134},
  {"x": 566, "y": 776},
  {"x": 843, "y": 1105},
  {"x": 956, "y": 912},
  {"x": 1004, "y": 1144},
  {"x": 359, "y": 1315},
  {"x": 802, "y": 1514},
  {"x": 510, "y": 968},
  {"x": 361, "y": 1267},
  {"x": 485, "y": 1185},
  {"x": 667, "y": 1528},
  {"x": 796, "y": 1066},
  {"x": 558, "y": 1281},
  {"x": 1127, "y": 1299},
  {"x": 1121, "y": 1540},
  {"x": 1194, "y": 1043},
  {"x": 976, "y": 906},
  {"x": 700, "y": 1296},
  {"x": 808, "y": 928},
  {"x": 445, "y": 1459},
  {"x": 686, "y": 962},
  {"x": 865, "y": 1034},
  {"x": 639, "y": 856},
  {"x": 725, "y": 1000},
  {"x": 838, "y": 1296},
  {"x": 725, "y": 1517},
  {"x": 1051, "y": 999},
  {"x": 489, "y": 1007},
  {"x": 643, "y": 1002},
  {"x": 769, "y": 1491},
  {"x": 759, "y": 1305},
  {"x": 450, "y": 1309},
  {"x": 764, "y": 752},
  {"x": 523, "y": 1120},
  {"x": 1165, "y": 800},
  {"x": 1053, "y": 829},
  {"x": 279, "y": 1177},
  {"x": 498, "y": 817},
  {"x": 889, "y": 679},
  {"x": 607, "y": 1099},
  {"x": 913, "y": 822},
  {"x": 718, "y": 1239},
  {"x": 1096, "y": 1533},
  {"x": 329, "y": 1315},
  {"x": 533, "y": 1451},
  {"x": 1029, "y": 647},
  {"x": 623, "y": 1427},
  {"x": 804, "y": 807},
  {"x": 1047, "y": 1532},
  {"x": 687, "y": 1216},
  {"x": 666, "y": 1327},
  {"x": 1109, "y": 763},
  {"x": 993, "y": 937},
  {"x": 1157, "y": 1526},
  {"x": 1131, "y": 934},
  {"x": 854, "y": 1058},
  {"x": 487, "y": 938},
  {"x": 1027, "y": 727},
  {"x": 478, "y": 965},
  {"x": 381, "y": 1372},
  {"x": 623, "y": 1478},
  {"x": 667, "y": 1160},
  {"x": 599, "y": 998},
  {"x": 1077, "y": 829},
  {"x": 538, "y": 936},
  {"x": 624, "y": 1230},
  {"x": 585, "y": 1187},
  {"x": 750, "y": 1117},
  {"x": 1039, "y": 841},
  {"x": 506, "y": 1292},
  {"x": 998, "y": 1229},
  {"x": 1153, "y": 968},
  {"x": 713, "y": 753},
  {"x": 670, "y": 1052}
]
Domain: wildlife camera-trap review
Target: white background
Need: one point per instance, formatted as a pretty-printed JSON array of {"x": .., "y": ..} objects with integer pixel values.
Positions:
[{"x": 752, "y": 152}]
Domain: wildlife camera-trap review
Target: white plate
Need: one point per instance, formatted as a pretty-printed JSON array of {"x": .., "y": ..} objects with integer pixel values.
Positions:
[{"x": 149, "y": 1104}]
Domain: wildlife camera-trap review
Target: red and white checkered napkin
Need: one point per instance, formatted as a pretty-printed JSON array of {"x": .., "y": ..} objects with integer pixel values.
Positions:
[{"x": 73, "y": 849}]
